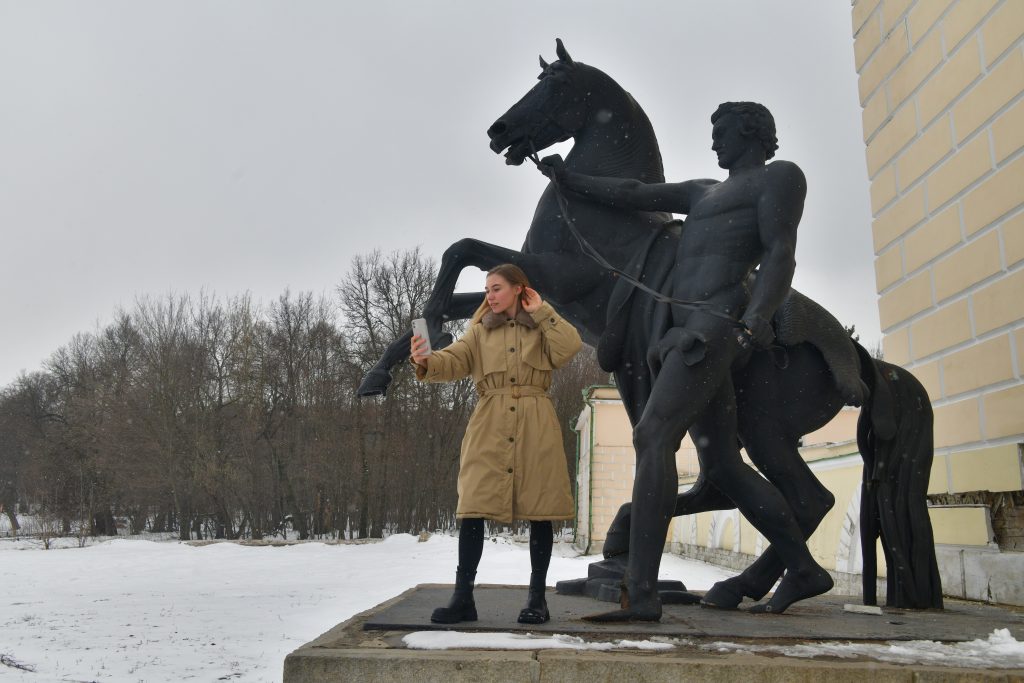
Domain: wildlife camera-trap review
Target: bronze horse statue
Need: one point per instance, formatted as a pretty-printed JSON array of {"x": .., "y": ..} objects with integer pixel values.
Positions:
[{"x": 782, "y": 393}]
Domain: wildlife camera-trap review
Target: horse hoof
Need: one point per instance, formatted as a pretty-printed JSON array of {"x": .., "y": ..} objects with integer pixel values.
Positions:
[
  {"x": 722, "y": 596},
  {"x": 374, "y": 384}
]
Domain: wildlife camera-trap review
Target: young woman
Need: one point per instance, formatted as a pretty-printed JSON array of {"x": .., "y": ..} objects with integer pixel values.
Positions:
[{"x": 512, "y": 464}]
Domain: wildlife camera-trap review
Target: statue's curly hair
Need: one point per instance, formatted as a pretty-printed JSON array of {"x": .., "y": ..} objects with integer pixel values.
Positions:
[{"x": 755, "y": 119}]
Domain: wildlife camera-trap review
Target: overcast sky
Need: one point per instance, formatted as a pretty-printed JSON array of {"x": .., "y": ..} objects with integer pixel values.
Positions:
[{"x": 157, "y": 147}]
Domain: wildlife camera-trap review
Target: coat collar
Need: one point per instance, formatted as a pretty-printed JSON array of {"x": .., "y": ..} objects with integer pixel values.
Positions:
[{"x": 491, "y": 320}]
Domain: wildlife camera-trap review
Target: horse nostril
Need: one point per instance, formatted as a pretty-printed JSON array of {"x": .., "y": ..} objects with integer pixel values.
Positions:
[{"x": 497, "y": 129}]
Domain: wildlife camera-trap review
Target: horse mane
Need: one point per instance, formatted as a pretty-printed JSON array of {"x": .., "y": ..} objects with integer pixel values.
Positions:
[{"x": 640, "y": 129}]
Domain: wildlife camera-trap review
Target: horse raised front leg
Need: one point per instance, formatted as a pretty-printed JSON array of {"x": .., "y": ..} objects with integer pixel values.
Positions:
[
  {"x": 377, "y": 380},
  {"x": 443, "y": 304},
  {"x": 456, "y": 258}
]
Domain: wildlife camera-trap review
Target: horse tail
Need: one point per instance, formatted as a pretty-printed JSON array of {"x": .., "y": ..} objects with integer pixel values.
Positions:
[{"x": 894, "y": 435}]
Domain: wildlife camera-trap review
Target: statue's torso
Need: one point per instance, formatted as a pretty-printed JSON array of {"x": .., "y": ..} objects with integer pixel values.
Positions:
[{"x": 720, "y": 244}]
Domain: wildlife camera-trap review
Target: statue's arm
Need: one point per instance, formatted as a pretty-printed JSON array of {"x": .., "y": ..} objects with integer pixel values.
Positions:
[
  {"x": 779, "y": 209},
  {"x": 627, "y": 193}
]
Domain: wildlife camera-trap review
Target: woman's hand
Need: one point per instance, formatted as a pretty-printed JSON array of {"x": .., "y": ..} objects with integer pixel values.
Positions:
[
  {"x": 531, "y": 300},
  {"x": 418, "y": 351}
]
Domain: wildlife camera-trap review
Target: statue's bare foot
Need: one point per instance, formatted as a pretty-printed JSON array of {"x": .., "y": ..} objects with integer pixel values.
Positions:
[
  {"x": 795, "y": 587},
  {"x": 636, "y": 606},
  {"x": 726, "y": 594}
]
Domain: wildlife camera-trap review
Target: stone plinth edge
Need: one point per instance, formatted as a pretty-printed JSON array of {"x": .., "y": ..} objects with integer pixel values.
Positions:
[{"x": 349, "y": 652}]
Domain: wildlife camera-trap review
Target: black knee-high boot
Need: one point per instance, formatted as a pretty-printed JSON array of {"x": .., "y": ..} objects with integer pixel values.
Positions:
[
  {"x": 541, "y": 543},
  {"x": 461, "y": 607}
]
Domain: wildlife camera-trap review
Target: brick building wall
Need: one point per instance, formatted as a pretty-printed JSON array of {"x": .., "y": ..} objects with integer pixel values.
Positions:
[{"x": 940, "y": 82}]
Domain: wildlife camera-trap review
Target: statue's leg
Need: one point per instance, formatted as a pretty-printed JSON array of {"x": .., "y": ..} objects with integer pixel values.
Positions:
[
  {"x": 680, "y": 394},
  {"x": 773, "y": 450}
]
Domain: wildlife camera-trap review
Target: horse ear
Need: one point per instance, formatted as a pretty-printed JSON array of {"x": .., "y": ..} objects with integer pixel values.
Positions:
[
  {"x": 561, "y": 52},
  {"x": 543, "y": 64}
]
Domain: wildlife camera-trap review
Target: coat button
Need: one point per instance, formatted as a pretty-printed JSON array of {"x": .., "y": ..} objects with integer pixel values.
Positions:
[
  {"x": 510, "y": 470},
  {"x": 513, "y": 409},
  {"x": 511, "y": 323},
  {"x": 511, "y": 439},
  {"x": 512, "y": 380},
  {"x": 512, "y": 349}
]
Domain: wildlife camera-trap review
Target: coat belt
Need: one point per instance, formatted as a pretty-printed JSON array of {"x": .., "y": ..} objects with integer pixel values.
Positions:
[{"x": 515, "y": 391}]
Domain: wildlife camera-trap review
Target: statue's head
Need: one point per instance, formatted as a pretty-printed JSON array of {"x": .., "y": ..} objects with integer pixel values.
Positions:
[{"x": 753, "y": 120}]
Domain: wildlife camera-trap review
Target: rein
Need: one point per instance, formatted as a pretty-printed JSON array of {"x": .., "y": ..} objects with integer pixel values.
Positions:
[{"x": 594, "y": 255}]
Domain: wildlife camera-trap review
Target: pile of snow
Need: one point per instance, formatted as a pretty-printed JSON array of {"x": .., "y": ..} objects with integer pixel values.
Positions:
[
  {"x": 1000, "y": 650},
  {"x": 130, "y": 610},
  {"x": 461, "y": 640}
]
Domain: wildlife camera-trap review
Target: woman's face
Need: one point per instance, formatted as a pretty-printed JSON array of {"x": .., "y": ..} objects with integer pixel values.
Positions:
[{"x": 502, "y": 297}]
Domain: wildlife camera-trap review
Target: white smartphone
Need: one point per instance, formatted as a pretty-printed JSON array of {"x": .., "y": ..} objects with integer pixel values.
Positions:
[{"x": 419, "y": 327}]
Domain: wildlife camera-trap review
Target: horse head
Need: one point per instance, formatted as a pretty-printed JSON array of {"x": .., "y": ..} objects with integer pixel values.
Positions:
[{"x": 552, "y": 111}]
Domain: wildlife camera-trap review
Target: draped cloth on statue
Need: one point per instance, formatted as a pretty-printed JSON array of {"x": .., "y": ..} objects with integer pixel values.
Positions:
[{"x": 635, "y": 318}]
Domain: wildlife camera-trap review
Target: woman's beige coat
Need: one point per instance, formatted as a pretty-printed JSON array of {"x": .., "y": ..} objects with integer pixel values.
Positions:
[{"x": 513, "y": 465}]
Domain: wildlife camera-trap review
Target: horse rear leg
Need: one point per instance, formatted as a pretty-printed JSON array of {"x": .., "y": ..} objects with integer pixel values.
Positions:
[{"x": 775, "y": 454}]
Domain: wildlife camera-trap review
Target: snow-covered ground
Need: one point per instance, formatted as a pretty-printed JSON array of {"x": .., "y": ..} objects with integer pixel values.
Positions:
[{"x": 136, "y": 610}]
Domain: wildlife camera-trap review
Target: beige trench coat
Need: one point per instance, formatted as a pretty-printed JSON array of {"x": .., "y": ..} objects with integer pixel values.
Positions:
[{"x": 512, "y": 464}]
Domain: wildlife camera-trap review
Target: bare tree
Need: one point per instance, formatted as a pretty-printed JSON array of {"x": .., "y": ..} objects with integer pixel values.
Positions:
[{"x": 219, "y": 418}]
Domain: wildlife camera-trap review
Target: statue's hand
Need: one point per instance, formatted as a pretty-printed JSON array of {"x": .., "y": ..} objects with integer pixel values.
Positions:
[
  {"x": 758, "y": 331},
  {"x": 552, "y": 166},
  {"x": 675, "y": 339}
]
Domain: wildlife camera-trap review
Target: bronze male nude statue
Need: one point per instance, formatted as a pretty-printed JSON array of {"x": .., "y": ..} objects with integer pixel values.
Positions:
[{"x": 731, "y": 227}]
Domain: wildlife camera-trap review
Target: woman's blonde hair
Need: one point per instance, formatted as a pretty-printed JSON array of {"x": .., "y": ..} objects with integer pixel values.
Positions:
[{"x": 512, "y": 274}]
